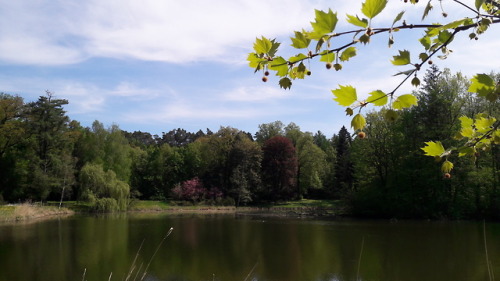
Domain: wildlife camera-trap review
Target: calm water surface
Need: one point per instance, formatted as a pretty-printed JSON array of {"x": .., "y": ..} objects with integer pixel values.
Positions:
[{"x": 229, "y": 247}]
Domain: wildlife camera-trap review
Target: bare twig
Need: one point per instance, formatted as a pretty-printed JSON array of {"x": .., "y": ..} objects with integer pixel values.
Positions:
[{"x": 154, "y": 254}]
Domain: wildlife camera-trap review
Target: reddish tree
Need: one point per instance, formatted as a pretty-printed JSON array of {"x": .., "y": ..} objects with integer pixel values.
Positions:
[
  {"x": 192, "y": 189},
  {"x": 279, "y": 168}
]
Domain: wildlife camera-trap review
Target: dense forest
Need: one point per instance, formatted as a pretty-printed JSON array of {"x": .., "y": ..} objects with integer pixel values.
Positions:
[{"x": 383, "y": 173}]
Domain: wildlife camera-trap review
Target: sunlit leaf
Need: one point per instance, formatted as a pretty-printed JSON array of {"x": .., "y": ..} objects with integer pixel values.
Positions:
[
  {"x": 398, "y": 17},
  {"x": 300, "y": 41},
  {"x": 426, "y": 42},
  {"x": 466, "y": 121},
  {"x": 466, "y": 150},
  {"x": 483, "y": 124},
  {"x": 348, "y": 53},
  {"x": 482, "y": 84},
  {"x": 479, "y": 3},
  {"x": 285, "y": 83},
  {"x": 377, "y": 98},
  {"x": 355, "y": 20},
  {"x": 445, "y": 36},
  {"x": 358, "y": 122},
  {"x": 324, "y": 23},
  {"x": 466, "y": 127},
  {"x": 407, "y": 72},
  {"x": 372, "y": 8},
  {"x": 428, "y": 8},
  {"x": 262, "y": 46},
  {"x": 345, "y": 95},
  {"x": 254, "y": 61},
  {"x": 404, "y": 101},
  {"x": 391, "y": 115},
  {"x": 328, "y": 57},
  {"x": 454, "y": 24},
  {"x": 402, "y": 59},
  {"x": 274, "y": 48},
  {"x": 433, "y": 148},
  {"x": 297, "y": 58},
  {"x": 423, "y": 56},
  {"x": 447, "y": 166},
  {"x": 279, "y": 65}
]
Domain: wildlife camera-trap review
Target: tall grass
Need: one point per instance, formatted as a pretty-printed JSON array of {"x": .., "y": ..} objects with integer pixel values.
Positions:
[{"x": 28, "y": 212}]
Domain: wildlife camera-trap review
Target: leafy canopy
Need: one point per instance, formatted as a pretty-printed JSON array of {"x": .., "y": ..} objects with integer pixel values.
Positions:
[{"x": 318, "y": 42}]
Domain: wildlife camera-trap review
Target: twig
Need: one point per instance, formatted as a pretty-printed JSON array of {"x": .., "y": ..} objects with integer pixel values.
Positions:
[
  {"x": 157, "y": 248},
  {"x": 251, "y": 271},
  {"x": 84, "y": 271},
  {"x": 132, "y": 267},
  {"x": 488, "y": 266},
  {"x": 359, "y": 260}
]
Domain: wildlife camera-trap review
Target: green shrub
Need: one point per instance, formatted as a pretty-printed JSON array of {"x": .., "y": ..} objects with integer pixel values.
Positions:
[{"x": 105, "y": 205}]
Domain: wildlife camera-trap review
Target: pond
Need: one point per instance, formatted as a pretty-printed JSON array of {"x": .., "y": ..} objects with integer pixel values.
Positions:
[{"x": 236, "y": 247}]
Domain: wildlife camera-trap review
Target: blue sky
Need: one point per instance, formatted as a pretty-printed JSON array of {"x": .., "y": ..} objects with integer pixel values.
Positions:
[{"x": 157, "y": 65}]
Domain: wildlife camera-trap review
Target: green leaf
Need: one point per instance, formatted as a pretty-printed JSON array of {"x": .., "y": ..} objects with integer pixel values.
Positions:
[
  {"x": 324, "y": 23},
  {"x": 454, "y": 24},
  {"x": 426, "y": 42},
  {"x": 328, "y": 57},
  {"x": 404, "y": 101},
  {"x": 262, "y": 46},
  {"x": 433, "y": 148},
  {"x": 447, "y": 166},
  {"x": 279, "y": 65},
  {"x": 402, "y": 59},
  {"x": 254, "y": 61},
  {"x": 377, "y": 98},
  {"x": 479, "y": 3},
  {"x": 285, "y": 83},
  {"x": 345, "y": 95},
  {"x": 391, "y": 115},
  {"x": 372, "y": 8},
  {"x": 299, "y": 57},
  {"x": 274, "y": 48},
  {"x": 355, "y": 20},
  {"x": 415, "y": 81},
  {"x": 483, "y": 124},
  {"x": 466, "y": 150},
  {"x": 300, "y": 41},
  {"x": 348, "y": 53},
  {"x": 398, "y": 17},
  {"x": 428, "y": 8},
  {"x": 445, "y": 36},
  {"x": 466, "y": 124},
  {"x": 349, "y": 111},
  {"x": 358, "y": 122},
  {"x": 466, "y": 121},
  {"x": 423, "y": 56},
  {"x": 482, "y": 84},
  {"x": 407, "y": 72}
]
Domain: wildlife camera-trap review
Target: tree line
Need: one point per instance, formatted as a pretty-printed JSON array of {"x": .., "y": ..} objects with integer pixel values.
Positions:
[{"x": 46, "y": 156}]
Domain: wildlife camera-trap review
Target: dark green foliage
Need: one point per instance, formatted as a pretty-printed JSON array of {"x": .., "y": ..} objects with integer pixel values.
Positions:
[{"x": 46, "y": 156}]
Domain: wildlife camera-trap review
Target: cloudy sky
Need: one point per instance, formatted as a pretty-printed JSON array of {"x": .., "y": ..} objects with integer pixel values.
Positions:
[{"x": 157, "y": 65}]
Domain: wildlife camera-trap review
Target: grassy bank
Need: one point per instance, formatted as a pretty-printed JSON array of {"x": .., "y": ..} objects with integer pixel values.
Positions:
[
  {"x": 300, "y": 207},
  {"x": 305, "y": 207},
  {"x": 29, "y": 212}
]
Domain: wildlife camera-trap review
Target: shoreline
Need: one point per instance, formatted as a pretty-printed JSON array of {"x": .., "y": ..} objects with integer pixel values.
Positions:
[{"x": 29, "y": 213}]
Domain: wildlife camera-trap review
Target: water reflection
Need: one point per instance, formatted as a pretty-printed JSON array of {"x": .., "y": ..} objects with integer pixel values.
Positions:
[{"x": 227, "y": 247}]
